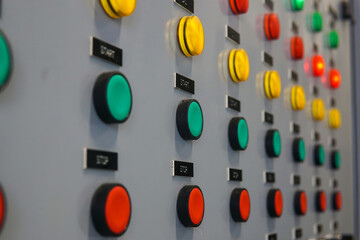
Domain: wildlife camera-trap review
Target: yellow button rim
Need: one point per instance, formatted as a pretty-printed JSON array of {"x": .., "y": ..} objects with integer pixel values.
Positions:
[
  {"x": 115, "y": 9},
  {"x": 231, "y": 65},
  {"x": 298, "y": 98},
  {"x": 181, "y": 36}
]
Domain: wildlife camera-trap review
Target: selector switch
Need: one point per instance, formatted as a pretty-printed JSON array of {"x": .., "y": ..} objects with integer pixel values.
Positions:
[
  {"x": 272, "y": 84},
  {"x": 190, "y": 35},
  {"x": 190, "y": 206},
  {"x": 334, "y": 118},
  {"x": 296, "y": 48},
  {"x": 112, "y": 97},
  {"x": 274, "y": 203},
  {"x": 189, "y": 119},
  {"x": 336, "y": 201},
  {"x": 238, "y": 133},
  {"x": 334, "y": 78},
  {"x": 318, "y": 109},
  {"x": 320, "y": 201},
  {"x": 239, "y": 67},
  {"x": 299, "y": 150},
  {"x": 240, "y": 205},
  {"x": 271, "y": 26},
  {"x": 335, "y": 159},
  {"x": 318, "y": 65},
  {"x": 5, "y": 59},
  {"x": 319, "y": 155},
  {"x": 333, "y": 39},
  {"x": 111, "y": 210},
  {"x": 300, "y": 203},
  {"x": 239, "y": 6},
  {"x": 298, "y": 98},
  {"x": 118, "y": 8},
  {"x": 273, "y": 143}
]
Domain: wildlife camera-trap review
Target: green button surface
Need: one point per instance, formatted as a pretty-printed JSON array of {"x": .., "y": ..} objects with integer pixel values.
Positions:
[
  {"x": 118, "y": 96},
  {"x": 337, "y": 159},
  {"x": 302, "y": 150},
  {"x": 277, "y": 143},
  {"x": 333, "y": 39},
  {"x": 317, "y": 22},
  {"x": 195, "y": 119},
  {"x": 243, "y": 133},
  {"x": 297, "y": 5},
  {"x": 321, "y": 155},
  {"x": 5, "y": 60}
]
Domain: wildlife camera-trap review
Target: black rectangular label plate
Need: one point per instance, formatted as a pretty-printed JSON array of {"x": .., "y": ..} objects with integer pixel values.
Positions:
[
  {"x": 234, "y": 174},
  {"x": 269, "y": 4},
  {"x": 294, "y": 27},
  {"x": 318, "y": 228},
  {"x": 333, "y": 142},
  {"x": 272, "y": 236},
  {"x": 298, "y": 233},
  {"x": 347, "y": 237},
  {"x": 98, "y": 159},
  {"x": 233, "y": 103},
  {"x": 295, "y": 128},
  {"x": 105, "y": 51},
  {"x": 182, "y": 169},
  {"x": 270, "y": 177},
  {"x": 317, "y": 182},
  {"x": 316, "y": 136},
  {"x": 267, "y": 58},
  {"x": 268, "y": 117},
  {"x": 315, "y": 91},
  {"x": 232, "y": 35},
  {"x": 334, "y": 183},
  {"x": 184, "y": 83},
  {"x": 188, "y": 5},
  {"x": 296, "y": 180},
  {"x": 294, "y": 76}
]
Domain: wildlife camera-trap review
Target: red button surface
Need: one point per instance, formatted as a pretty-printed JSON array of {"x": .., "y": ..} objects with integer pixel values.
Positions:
[
  {"x": 300, "y": 203},
  {"x": 275, "y": 203},
  {"x": 337, "y": 201},
  {"x": 320, "y": 201},
  {"x": 297, "y": 48},
  {"x": 318, "y": 65},
  {"x": 244, "y": 205},
  {"x": 196, "y": 206},
  {"x": 190, "y": 206},
  {"x": 2, "y": 208},
  {"x": 334, "y": 78},
  {"x": 239, "y": 6},
  {"x": 271, "y": 26},
  {"x": 240, "y": 205}
]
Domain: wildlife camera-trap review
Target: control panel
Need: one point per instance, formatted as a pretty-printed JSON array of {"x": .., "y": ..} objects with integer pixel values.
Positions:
[{"x": 177, "y": 119}]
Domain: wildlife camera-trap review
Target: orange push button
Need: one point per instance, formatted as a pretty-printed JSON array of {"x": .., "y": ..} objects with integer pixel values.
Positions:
[
  {"x": 318, "y": 65},
  {"x": 274, "y": 203},
  {"x": 297, "y": 48},
  {"x": 337, "y": 201},
  {"x": 111, "y": 210},
  {"x": 320, "y": 201},
  {"x": 190, "y": 206},
  {"x": 300, "y": 203},
  {"x": 334, "y": 78},
  {"x": 271, "y": 26},
  {"x": 239, "y": 6},
  {"x": 240, "y": 205}
]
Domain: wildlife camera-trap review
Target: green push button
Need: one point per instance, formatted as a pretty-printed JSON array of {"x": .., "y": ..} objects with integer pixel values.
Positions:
[
  {"x": 333, "y": 39},
  {"x": 195, "y": 119},
  {"x": 273, "y": 143},
  {"x": 317, "y": 22},
  {"x": 277, "y": 143},
  {"x": 297, "y": 5},
  {"x": 243, "y": 133},
  {"x": 319, "y": 155},
  {"x": 299, "y": 150},
  {"x": 118, "y": 97},
  {"x": 5, "y": 60},
  {"x": 335, "y": 160}
]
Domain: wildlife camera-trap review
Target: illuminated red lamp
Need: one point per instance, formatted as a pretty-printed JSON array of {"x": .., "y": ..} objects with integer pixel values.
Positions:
[
  {"x": 239, "y": 6},
  {"x": 297, "y": 48},
  {"x": 318, "y": 65},
  {"x": 271, "y": 26},
  {"x": 334, "y": 78}
]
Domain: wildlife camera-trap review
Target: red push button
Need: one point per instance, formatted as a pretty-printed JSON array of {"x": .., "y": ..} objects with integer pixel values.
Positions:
[
  {"x": 320, "y": 201},
  {"x": 297, "y": 48},
  {"x": 271, "y": 26},
  {"x": 111, "y": 210},
  {"x": 300, "y": 203},
  {"x": 2, "y": 208},
  {"x": 334, "y": 78},
  {"x": 275, "y": 203},
  {"x": 337, "y": 201},
  {"x": 190, "y": 206},
  {"x": 318, "y": 65},
  {"x": 240, "y": 205},
  {"x": 239, "y": 6}
]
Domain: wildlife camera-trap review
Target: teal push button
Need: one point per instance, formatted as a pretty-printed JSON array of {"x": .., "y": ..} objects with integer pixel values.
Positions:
[
  {"x": 112, "y": 97},
  {"x": 5, "y": 60},
  {"x": 335, "y": 159},
  {"x": 299, "y": 150},
  {"x": 273, "y": 143},
  {"x": 238, "y": 133},
  {"x": 189, "y": 119},
  {"x": 319, "y": 155}
]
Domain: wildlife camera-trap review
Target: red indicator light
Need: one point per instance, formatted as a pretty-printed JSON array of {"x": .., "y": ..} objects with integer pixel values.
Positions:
[
  {"x": 318, "y": 65},
  {"x": 334, "y": 78}
]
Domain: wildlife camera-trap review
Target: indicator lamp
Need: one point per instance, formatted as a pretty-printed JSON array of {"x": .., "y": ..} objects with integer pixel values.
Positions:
[
  {"x": 318, "y": 65},
  {"x": 334, "y": 78}
]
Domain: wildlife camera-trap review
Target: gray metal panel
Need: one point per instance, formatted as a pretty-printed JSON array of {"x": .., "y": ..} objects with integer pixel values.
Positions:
[{"x": 47, "y": 118}]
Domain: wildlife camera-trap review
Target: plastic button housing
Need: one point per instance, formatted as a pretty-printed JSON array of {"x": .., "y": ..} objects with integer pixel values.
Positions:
[
  {"x": 273, "y": 143},
  {"x": 190, "y": 206},
  {"x": 240, "y": 205},
  {"x": 189, "y": 119},
  {"x": 274, "y": 203}
]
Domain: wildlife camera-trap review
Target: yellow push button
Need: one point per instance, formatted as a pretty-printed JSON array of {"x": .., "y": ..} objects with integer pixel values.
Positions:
[
  {"x": 239, "y": 67},
  {"x": 191, "y": 36},
  {"x": 298, "y": 98},
  {"x": 118, "y": 8},
  {"x": 318, "y": 109},
  {"x": 334, "y": 118},
  {"x": 272, "y": 84}
]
